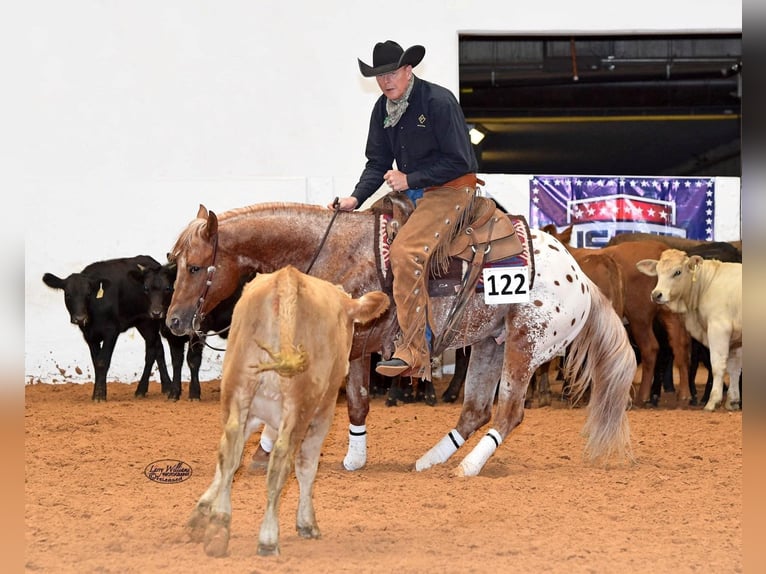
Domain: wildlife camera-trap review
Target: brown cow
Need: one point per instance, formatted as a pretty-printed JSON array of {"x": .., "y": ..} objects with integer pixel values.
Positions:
[
  {"x": 708, "y": 295},
  {"x": 640, "y": 311},
  {"x": 672, "y": 241},
  {"x": 287, "y": 356}
]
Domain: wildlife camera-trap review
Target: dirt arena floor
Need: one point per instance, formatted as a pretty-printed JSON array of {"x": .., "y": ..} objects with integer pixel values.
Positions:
[{"x": 536, "y": 507}]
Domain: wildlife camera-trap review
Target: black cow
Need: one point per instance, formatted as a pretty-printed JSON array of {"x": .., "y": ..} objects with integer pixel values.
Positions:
[
  {"x": 158, "y": 286},
  {"x": 104, "y": 300}
]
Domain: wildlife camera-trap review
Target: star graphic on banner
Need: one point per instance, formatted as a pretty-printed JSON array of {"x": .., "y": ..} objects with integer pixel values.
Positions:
[{"x": 650, "y": 212}]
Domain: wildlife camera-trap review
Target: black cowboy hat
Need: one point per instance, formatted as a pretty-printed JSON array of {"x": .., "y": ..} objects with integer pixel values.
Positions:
[{"x": 388, "y": 56}]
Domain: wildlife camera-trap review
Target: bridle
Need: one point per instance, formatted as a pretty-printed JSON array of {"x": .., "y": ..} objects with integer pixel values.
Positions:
[{"x": 198, "y": 315}]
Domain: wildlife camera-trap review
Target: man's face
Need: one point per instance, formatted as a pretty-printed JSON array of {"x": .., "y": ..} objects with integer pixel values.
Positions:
[{"x": 393, "y": 84}]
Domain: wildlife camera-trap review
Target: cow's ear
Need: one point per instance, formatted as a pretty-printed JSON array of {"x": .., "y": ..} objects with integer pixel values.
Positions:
[
  {"x": 53, "y": 281},
  {"x": 137, "y": 274},
  {"x": 694, "y": 262},
  {"x": 647, "y": 267},
  {"x": 172, "y": 267}
]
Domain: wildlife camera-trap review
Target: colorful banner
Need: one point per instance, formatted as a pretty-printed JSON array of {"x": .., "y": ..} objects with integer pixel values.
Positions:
[{"x": 598, "y": 208}]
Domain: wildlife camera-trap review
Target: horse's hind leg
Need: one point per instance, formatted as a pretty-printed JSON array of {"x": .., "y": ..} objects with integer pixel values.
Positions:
[
  {"x": 517, "y": 372},
  {"x": 482, "y": 375}
]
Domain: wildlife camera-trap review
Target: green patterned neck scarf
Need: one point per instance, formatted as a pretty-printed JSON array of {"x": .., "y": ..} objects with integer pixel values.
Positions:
[{"x": 396, "y": 108}]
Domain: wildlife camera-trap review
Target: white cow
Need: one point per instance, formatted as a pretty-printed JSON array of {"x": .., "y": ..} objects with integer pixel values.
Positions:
[
  {"x": 708, "y": 293},
  {"x": 286, "y": 358}
]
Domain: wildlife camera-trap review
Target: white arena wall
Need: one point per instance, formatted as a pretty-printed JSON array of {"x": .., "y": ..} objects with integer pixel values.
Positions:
[{"x": 129, "y": 115}]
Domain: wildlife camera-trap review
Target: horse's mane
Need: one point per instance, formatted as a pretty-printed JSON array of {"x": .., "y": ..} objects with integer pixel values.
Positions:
[
  {"x": 274, "y": 206},
  {"x": 198, "y": 225}
]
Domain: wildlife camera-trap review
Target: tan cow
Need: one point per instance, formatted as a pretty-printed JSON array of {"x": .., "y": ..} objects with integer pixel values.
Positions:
[
  {"x": 708, "y": 294},
  {"x": 287, "y": 355}
]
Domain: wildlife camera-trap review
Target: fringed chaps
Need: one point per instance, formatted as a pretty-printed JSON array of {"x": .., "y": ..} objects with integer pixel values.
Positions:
[{"x": 420, "y": 245}]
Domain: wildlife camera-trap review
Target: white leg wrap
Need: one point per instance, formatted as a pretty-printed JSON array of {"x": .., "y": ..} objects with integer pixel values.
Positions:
[
  {"x": 474, "y": 462},
  {"x": 356, "y": 457},
  {"x": 267, "y": 444},
  {"x": 441, "y": 452},
  {"x": 268, "y": 436}
]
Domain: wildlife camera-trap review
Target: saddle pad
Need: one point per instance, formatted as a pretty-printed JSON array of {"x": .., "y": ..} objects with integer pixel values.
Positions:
[{"x": 448, "y": 284}]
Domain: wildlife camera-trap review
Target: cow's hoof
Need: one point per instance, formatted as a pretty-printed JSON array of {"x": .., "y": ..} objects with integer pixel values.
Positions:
[
  {"x": 734, "y": 406},
  {"x": 693, "y": 402},
  {"x": 268, "y": 549},
  {"x": 308, "y": 531},
  {"x": 217, "y": 535}
]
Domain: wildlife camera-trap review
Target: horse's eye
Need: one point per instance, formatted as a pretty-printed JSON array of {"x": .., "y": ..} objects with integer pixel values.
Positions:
[
  {"x": 169, "y": 289},
  {"x": 194, "y": 269}
]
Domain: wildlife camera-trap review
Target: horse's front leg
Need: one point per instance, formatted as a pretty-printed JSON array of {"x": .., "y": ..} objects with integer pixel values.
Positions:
[
  {"x": 358, "y": 402},
  {"x": 484, "y": 368}
]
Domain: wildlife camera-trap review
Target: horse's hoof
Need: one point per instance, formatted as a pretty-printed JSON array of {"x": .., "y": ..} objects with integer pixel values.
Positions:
[
  {"x": 391, "y": 402},
  {"x": 449, "y": 398},
  {"x": 693, "y": 402},
  {"x": 259, "y": 462}
]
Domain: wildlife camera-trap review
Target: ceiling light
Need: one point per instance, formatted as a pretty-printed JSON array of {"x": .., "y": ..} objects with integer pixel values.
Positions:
[{"x": 476, "y": 134}]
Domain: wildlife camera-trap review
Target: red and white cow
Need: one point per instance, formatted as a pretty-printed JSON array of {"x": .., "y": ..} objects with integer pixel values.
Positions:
[
  {"x": 286, "y": 358},
  {"x": 708, "y": 294}
]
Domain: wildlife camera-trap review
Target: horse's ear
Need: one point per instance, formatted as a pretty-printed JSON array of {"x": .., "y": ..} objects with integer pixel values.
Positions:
[
  {"x": 566, "y": 235},
  {"x": 202, "y": 213},
  {"x": 212, "y": 224}
]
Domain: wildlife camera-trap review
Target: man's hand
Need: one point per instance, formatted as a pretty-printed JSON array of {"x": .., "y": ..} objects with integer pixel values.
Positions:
[
  {"x": 396, "y": 180},
  {"x": 344, "y": 204}
]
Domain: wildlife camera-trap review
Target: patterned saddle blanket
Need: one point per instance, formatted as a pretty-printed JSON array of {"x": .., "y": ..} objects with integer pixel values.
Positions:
[{"x": 448, "y": 283}]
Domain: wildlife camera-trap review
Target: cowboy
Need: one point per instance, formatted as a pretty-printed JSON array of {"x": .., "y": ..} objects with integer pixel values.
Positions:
[{"x": 420, "y": 126}]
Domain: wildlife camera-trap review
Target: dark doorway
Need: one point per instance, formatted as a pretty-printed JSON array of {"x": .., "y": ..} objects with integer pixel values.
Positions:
[{"x": 604, "y": 105}]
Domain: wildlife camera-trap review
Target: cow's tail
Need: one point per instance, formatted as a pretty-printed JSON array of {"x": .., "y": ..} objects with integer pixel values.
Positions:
[
  {"x": 601, "y": 355},
  {"x": 288, "y": 359}
]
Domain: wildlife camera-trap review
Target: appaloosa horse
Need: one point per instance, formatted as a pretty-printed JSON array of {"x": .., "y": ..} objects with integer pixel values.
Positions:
[{"x": 509, "y": 341}]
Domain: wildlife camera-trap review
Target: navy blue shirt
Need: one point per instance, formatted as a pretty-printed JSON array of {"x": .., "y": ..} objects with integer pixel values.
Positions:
[{"x": 430, "y": 142}]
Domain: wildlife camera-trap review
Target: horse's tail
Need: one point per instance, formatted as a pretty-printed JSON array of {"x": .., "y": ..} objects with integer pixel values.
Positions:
[{"x": 601, "y": 355}]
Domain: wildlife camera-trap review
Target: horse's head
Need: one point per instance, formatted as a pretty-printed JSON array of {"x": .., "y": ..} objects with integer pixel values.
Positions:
[{"x": 205, "y": 275}]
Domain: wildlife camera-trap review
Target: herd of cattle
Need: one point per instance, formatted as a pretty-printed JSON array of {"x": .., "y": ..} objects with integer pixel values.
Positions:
[
  {"x": 696, "y": 320},
  {"x": 285, "y": 378}
]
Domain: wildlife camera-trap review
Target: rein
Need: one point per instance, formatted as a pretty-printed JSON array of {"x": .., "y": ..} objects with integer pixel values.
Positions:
[{"x": 336, "y": 208}]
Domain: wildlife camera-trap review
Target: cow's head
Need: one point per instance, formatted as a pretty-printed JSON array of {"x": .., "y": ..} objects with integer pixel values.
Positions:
[
  {"x": 157, "y": 285},
  {"x": 80, "y": 291},
  {"x": 675, "y": 272}
]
